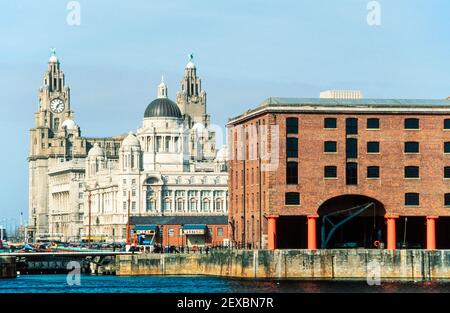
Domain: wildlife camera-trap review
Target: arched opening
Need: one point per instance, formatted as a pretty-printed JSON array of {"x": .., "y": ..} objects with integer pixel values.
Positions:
[{"x": 351, "y": 221}]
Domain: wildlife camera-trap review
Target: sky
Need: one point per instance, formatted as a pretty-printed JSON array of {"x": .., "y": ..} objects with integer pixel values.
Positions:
[{"x": 245, "y": 51}]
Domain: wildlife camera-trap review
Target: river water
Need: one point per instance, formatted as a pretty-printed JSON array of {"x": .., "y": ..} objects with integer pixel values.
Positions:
[{"x": 202, "y": 284}]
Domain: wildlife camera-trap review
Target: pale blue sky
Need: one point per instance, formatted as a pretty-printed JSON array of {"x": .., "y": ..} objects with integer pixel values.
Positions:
[{"x": 245, "y": 51}]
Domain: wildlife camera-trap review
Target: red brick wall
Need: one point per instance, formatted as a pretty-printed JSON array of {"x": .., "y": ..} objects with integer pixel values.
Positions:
[{"x": 314, "y": 189}]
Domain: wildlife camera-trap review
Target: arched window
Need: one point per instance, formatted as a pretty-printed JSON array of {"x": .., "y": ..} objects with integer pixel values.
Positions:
[
  {"x": 219, "y": 205},
  {"x": 167, "y": 204},
  {"x": 205, "y": 205},
  {"x": 150, "y": 201},
  {"x": 193, "y": 205}
]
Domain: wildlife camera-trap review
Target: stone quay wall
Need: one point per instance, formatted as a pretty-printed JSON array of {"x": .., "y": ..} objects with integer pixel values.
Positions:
[
  {"x": 285, "y": 264},
  {"x": 7, "y": 267}
]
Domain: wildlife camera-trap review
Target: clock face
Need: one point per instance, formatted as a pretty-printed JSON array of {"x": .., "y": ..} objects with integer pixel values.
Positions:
[{"x": 57, "y": 105}]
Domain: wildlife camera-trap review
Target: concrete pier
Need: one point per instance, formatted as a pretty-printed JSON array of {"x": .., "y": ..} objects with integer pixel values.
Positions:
[
  {"x": 7, "y": 267},
  {"x": 284, "y": 264}
]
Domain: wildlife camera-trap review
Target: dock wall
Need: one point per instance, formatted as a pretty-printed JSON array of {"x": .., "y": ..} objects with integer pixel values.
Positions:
[
  {"x": 7, "y": 267},
  {"x": 318, "y": 264}
]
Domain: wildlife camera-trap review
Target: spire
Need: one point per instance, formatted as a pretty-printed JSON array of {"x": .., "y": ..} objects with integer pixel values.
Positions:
[{"x": 162, "y": 89}]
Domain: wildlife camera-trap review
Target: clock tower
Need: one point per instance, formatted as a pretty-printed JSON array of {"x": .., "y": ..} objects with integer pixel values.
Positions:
[{"x": 50, "y": 142}]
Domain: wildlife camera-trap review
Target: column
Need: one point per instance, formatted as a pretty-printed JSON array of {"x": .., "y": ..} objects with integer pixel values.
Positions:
[
  {"x": 391, "y": 231},
  {"x": 272, "y": 231},
  {"x": 312, "y": 240},
  {"x": 431, "y": 232}
]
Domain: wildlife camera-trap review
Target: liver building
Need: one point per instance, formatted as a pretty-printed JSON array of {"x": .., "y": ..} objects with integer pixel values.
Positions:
[{"x": 168, "y": 167}]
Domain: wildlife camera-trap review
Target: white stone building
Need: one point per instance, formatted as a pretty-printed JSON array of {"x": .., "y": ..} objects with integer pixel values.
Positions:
[{"x": 169, "y": 166}]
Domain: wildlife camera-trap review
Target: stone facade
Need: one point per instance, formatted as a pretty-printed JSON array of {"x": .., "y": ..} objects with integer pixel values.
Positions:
[{"x": 79, "y": 185}]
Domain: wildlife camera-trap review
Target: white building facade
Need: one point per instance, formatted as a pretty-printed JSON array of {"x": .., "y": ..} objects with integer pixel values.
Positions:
[{"x": 90, "y": 186}]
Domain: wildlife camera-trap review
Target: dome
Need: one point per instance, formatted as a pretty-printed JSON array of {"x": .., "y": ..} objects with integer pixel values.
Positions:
[
  {"x": 53, "y": 59},
  {"x": 131, "y": 140},
  {"x": 222, "y": 154},
  {"x": 162, "y": 107},
  {"x": 190, "y": 65},
  {"x": 95, "y": 151},
  {"x": 69, "y": 124}
]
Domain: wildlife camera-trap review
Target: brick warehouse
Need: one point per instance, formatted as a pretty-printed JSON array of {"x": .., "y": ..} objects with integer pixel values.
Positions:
[{"x": 336, "y": 173}]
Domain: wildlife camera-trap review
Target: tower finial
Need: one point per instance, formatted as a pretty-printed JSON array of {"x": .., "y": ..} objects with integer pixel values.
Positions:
[
  {"x": 53, "y": 57},
  {"x": 191, "y": 57}
]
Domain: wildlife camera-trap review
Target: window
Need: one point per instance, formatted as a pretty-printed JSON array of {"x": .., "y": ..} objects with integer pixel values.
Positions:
[
  {"x": 133, "y": 206},
  {"x": 219, "y": 232},
  {"x": 171, "y": 232},
  {"x": 412, "y": 198},
  {"x": 292, "y": 125},
  {"x": 411, "y": 172},
  {"x": 292, "y": 147},
  {"x": 373, "y": 123},
  {"x": 373, "y": 147},
  {"x": 447, "y": 147},
  {"x": 133, "y": 192},
  {"x": 411, "y": 123},
  {"x": 329, "y": 122},
  {"x": 292, "y": 173},
  {"x": 411, "y": 147},
  {"x": 330, "y": 146},
  {"x": 330, "y": 171},
  {"x": 351, "y": 126},
  {"x": 373, "y": 172},
  {"x": 351, "y": 171},
  {"x": 447, "y": 123},
  {"x": 351, "y": 148},
  {"x": 292, "y": 198},
  {"x": 447, "y": 199},
  {"x": 124, "y": 205},
  {"x": 447, "y": 172}
]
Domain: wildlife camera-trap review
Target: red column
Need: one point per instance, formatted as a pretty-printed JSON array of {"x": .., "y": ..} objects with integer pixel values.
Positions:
[
  {"x": 312, "y": 237},
  {"x": 272, "y": 231},
  {"x": 391, "y": 231},
  {"x": 431, "y": 232}
]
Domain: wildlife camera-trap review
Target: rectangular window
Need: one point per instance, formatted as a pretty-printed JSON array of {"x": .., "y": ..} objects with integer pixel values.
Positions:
[
  {"x": 219, "y": 232},
  {"x": 330, "y": 146},
  {"x": 373, "y": 123},
  {"x": 291, "y": 173},
  {"x": 447, "y": 147},
  {"x": 133, "y": 206},
  {"x": 373, "y": 147},
  {"x": 351, "y": 148},
  {"x": 411, "y": 147},
  {"x": 171, "y": 232},
  {"x": 411, "y": 172},
  {"x": 447, "y": 123},
  {"x": 351, "y": 126},
  {"x": 411, "y": 123},
  {"x": 292, "y": 147},
  {"x": 373, "y": 172},
  {"x": 329, "y": 122},
  {"x": 124, "y": 205},
  {"x": 292, "y": 198},
  {"x": 351, "y": 170},
  {"x": 292, "y": 125},
  {"x": 133, "y": 192},
  {"x": 412, "y": 198},
  {"x": 447, "y": 172},
  {"x": 447, "y": 199},
  {"x": 330, "y": 171}
]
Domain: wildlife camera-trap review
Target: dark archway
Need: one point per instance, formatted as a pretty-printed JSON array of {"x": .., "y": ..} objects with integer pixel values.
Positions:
[{"x": 351, "y": 221}]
